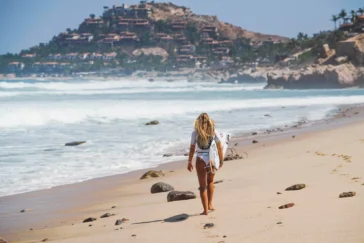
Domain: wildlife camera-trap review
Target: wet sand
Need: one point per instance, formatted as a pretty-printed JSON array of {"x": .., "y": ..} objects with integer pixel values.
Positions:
[{"x": 246, "y": 201}]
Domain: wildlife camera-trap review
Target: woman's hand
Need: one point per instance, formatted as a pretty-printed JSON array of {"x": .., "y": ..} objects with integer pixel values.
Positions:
[
  {"x": 221, "y": 164},
  {"x": 190, "y": 167}
]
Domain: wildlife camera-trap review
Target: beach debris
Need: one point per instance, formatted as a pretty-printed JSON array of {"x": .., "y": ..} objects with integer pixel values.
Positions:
[
  {"x": 279, "y": 223},
  {"x": 155, "y": 122},
  {"x": 255, "y": 141},
  {"x": 355, "y": 178},
  {"x": 293, "y": 136},
  {"x": 254, "y": 133},
  {"x": 167, "y": 155},
  {"x": 347, "y": 194},
  {"x": 220, "y": 181},
  {"x": 113, "y": 207},
  {"x": 24, "y": 210},
  {"x": 120, "y": 221},
  {"x": 75, "y": 143},
  {"x": 208, "y": 225},
  {"x": 288, "y": 205},
  {"x": 346, "y": 158},
  {"x": 45, "y": 239},
  {"x": 2, "y": 240},
  {"x": 279, "y": 193},
  {"x": 152, "y": 174},
  {"x": 267, "y": 115},
  {"x": 224, "y": 236},
  {"x": 179, "y": 196},
  {"x": 133, "y": 235},
  {"x": 296, "y": 187},
  {"x": 161, "y": 187},
  {"x": 31, "y": 228},
  {"x": 106, "y": 215},
  {"x": 89, "y": 220},
  {"x": 90, "y": 225}
]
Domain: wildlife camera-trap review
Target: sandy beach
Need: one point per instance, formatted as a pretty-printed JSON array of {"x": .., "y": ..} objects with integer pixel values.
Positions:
[{"x": 325, "y": 157}]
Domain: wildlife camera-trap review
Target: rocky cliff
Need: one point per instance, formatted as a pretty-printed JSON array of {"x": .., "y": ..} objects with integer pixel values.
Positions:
[
  {"x": 317, "y": 77},
  {"x": 352, "y": 48},
  {"x": 337, "y": 68}
]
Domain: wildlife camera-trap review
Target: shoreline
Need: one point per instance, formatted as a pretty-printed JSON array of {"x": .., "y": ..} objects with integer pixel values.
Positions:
[
  {"x": 241, "y": 138},
  {"x": 69, "y": 203}
]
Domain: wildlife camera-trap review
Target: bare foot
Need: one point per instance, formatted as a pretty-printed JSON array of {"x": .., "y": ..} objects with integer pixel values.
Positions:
[
  {"x": 204, "y": 213},
  {"x": 211, "y": 208}
]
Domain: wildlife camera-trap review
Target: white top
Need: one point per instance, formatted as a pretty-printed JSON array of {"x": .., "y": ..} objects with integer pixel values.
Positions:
[{"x": 194, "y": 141}]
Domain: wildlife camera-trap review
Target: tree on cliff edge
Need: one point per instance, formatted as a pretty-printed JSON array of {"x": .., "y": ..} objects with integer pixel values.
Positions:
[
  {"x": 334, "y": 19},
  {"x": 343, "y": 14}
]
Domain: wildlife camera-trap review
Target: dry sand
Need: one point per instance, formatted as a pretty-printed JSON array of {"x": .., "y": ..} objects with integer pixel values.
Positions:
[{"x": 246, "y": 201}]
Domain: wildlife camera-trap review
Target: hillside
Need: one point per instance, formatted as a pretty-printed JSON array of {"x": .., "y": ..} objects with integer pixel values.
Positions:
[
  {"x": 146, "y": 36},
  {"x": 169, "y": 11}
]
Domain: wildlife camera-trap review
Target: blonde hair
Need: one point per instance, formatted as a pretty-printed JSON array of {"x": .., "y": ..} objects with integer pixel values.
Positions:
[{"x": 205, "y": 129}]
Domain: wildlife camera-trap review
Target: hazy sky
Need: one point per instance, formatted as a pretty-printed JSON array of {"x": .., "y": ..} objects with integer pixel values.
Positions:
[{"x": 25, "y": 23}]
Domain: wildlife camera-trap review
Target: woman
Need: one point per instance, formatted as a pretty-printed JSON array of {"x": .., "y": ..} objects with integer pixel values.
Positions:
[{"x": 202, "y": 136}]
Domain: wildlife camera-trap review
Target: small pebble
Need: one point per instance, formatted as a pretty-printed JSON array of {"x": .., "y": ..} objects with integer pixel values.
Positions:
[{"x": 133, "y": 235}]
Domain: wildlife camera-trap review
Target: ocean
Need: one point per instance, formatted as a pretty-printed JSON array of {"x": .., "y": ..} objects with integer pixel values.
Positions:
[{"x": 38, "y": 117}]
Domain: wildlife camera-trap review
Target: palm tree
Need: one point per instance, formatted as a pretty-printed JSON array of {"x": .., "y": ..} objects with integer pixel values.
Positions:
[
  {"x": 361, "y": 11},
  {"x": 300, "y": 36},
  {"x": 353, "y": 16},
  {"x": 343, "y": 14},
  {"x": 334, "y": 18}
]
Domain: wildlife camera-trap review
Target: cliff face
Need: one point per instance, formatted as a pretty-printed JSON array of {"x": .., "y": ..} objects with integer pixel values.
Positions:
[
  {"x": 339, "y": 68},
  {"x": 317, "y": 77},
  {"x": 352, "y": 48}
]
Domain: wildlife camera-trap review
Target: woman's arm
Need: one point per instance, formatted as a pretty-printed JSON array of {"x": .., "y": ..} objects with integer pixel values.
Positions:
[{"x": 190, "y": 157}]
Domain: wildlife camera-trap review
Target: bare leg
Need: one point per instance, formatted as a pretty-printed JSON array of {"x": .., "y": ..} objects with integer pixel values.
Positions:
[
  {"x": 201, "y": 174},
  {"x": 210, "y": 190}
]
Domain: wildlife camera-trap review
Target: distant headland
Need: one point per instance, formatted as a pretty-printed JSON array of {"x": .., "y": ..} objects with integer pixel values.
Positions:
[{"x": 152, "y": 40}]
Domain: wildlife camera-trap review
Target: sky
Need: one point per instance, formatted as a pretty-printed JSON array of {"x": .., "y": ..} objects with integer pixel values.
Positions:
[{"x": 26, "y": 23}]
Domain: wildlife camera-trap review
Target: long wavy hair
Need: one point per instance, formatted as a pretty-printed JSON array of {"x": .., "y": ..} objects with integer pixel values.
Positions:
[{"x": 205, "y": 129}]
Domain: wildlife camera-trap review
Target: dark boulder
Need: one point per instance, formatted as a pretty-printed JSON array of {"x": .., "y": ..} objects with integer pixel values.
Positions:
[
  {"x": 152, "y": 174},
  {"x": 75, "y": 143},
  {"x": 106, "y": 215},
  {"x": 155, "y": 122},
  {"x": 347, "y": 194},
  {"x": 120, "y": 221},
  {"x": 179, "y": 196},
  {"x": 288, "y": 205},
  {"x": 161, "y": 187},
  {"x": 89, "y": 220},
  {"x": 296, "y": 187}
]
